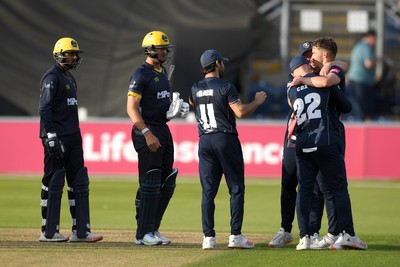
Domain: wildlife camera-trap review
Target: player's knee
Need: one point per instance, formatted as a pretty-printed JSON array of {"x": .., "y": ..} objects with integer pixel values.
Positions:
[
  {"x": 169, "y": 184},
  {"x": 57, "y": 181},
  {"x": 81, "y": 181}
]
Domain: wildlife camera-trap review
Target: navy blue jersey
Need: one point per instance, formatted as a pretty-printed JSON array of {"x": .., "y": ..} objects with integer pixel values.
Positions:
[
  {"x": 58, "y": 104},
  {"x": 340, "y": 73},
  {"x": 342, "y": 86},
  {"x": 311, "y": 108},
  {"x": 211, "y": 98},
  {"x": 333, "y": 107},
  {"x": 152, "y": 87}
]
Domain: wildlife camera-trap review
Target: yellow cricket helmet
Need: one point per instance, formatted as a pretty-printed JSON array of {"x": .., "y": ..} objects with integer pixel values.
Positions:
[
  {"x": 66, "y": 44},
  {"x": 63, "y": 45},
  {"x": 157, "y": 39}
]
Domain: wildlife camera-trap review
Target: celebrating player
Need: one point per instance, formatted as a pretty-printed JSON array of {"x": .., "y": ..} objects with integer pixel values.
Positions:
[
  {"x": 63, "y": 153},
  {"x": 324, "y": 51},
  {"x": 289, "y": 179},
  {"x": 148, "y": 106},
  {"x": 216, "y": 103},
  {"x": 317, "y": 149}
]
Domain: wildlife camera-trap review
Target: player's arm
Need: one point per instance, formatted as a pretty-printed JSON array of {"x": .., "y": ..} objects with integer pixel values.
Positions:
[
  {"x": 317, "y": 81},
  {"x": 243, "y": 110},
  {"x": 290, "y": 96},
  {"x": 132, "y": 108},
  {"x": 52, "y": 143},
  {"x": 135, "y": 91},
  {"x": 47, "y": 93},
  {"x": 292, "y": 120}
]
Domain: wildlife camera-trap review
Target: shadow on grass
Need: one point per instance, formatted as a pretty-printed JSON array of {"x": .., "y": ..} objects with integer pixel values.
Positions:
[{"x": 94, "y": 245}]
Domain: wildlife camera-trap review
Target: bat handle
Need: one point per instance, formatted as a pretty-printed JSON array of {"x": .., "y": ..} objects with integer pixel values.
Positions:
[{"x": 170, "y": 71}]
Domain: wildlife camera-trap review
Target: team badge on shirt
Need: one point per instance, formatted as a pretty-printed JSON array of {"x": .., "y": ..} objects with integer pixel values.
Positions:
[{"x": 133, "y": 85}]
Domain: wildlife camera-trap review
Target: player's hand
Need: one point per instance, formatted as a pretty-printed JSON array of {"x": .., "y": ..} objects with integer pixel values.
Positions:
[
  {"x": 184, "y": 110},
  {"x": 260, "y": 97},
  {"x": 324, "y": 70},
  {"x": 152, "y": 141},
  {"x": 54, "y": 146},
  {"x": 295, "y": 81}
]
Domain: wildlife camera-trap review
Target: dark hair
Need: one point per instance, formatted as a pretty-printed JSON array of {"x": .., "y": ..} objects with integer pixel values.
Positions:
[
  {"x": 370, "y": 33},
  {"x": 209, "y": 68},
  {"x": 326, "y": 43}
]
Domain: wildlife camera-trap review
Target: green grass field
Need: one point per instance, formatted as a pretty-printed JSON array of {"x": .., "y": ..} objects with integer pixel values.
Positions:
[{"x": 375, "y": 204}]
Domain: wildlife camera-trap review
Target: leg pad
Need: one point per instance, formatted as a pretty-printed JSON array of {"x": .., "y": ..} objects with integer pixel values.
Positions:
[
  {"x": 150, "y": 184},
  {"x": 167, "y": 190},
  {"x": 81, "y": 193},
  {"x": 56, "y": 186}
]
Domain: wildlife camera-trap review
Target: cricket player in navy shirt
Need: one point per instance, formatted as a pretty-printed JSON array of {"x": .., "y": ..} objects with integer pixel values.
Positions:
[
  {"x": 216, "y": 104},
  {"x": 318, "y": 149},
  {"x": 148, "y": 104},
  {"x": 324, "y": 50},
  {"x": 63, "y": 153}
]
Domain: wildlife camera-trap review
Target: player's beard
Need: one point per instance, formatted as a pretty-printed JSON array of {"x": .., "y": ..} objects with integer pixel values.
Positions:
[
  {"x": 163, "y": 60},
  {"x": 221, "y": 73},
  {"x": 316, "y": 66},
  {"x": 74, "y": 64}
]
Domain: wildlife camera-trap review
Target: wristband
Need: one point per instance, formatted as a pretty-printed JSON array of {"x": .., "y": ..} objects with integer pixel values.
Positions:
[
  {"x": 51, "y": 135},
  {"x": 145, "y": 130}
]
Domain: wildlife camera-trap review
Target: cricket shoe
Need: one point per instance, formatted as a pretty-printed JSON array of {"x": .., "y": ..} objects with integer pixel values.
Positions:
[
  {"x": 149, "y": 239},
  {"x": 164, "y": 240},
  {"x": 352, "y": 242},
  {"x": 304, "y": 243},
  {"x": 239, "y": 241},
  {"x": 338, "y": 243},
  {"x": 325, "y": 243},
  {"x": 314, "y": 239},
  {"x": 57, "y": 237},
  {"x": 208, "y": 242},
  {"x": 281, "y": 239},
  {"x": 90, "y": 237}
]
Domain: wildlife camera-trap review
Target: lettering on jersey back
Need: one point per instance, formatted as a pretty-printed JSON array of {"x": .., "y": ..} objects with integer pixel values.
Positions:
[
  {"x": 207, "y": 92},
  {"x": 302, "y": 87}
]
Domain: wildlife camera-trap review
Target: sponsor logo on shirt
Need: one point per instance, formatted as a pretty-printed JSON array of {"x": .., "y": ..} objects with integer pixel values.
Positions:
[
  {"x": 163, "y": 94},
  {"x": 133, "y": 85},
  {"x": 72, "y": 101}
]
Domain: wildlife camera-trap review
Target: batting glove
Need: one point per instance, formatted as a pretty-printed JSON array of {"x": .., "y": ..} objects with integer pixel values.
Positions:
[
  {"x": 175, "y": 106},
  {"x": 54, "y": 146},
  {"x": 184, "y": 110}
]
